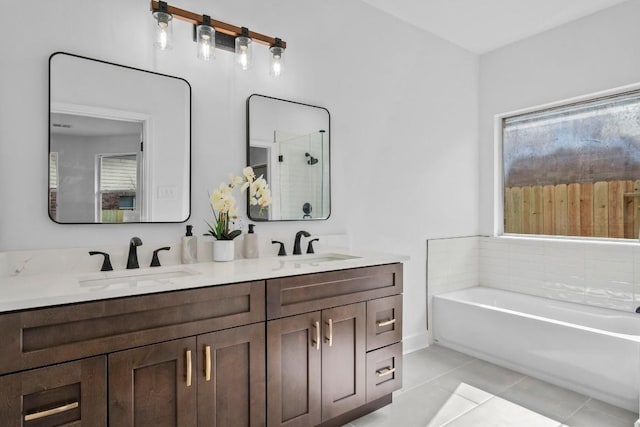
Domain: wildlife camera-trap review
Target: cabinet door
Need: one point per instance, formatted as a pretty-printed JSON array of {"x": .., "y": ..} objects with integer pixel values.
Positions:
[
  {"x": 231, "y": 377},
  {"x": 343, "y": 359},
  {"x": 73, "y": 393},
  {"x": 154, "y": 385},
  {"x": 293, "y": 364}
]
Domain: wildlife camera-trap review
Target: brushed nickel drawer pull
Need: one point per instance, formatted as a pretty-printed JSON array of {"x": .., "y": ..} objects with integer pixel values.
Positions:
[
  {"x": 330, "y": 323},
  {"x": 387, "y": 322},
  {"x": 316, "y": 342},
  {"x": 49, "y": 412},
  {"x": 188, "y": 356},
  {"x": 207, "y": 363},
  {"x": 385, "y": 371}
]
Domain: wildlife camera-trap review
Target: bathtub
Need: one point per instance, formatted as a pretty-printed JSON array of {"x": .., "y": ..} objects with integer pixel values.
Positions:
[{"x": 591, "y": 350}]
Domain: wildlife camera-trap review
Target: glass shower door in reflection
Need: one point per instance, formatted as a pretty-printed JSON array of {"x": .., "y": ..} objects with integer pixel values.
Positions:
[{"x": 302, "y": 162}]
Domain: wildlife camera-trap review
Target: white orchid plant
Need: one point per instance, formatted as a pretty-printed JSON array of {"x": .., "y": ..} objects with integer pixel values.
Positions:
[{"x": 223, "y": 203}]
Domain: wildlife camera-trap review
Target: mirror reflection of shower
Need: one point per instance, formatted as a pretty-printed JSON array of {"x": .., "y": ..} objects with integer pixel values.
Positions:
[
  {"x": 302, "y": 170},
  {"x": 311, "y": 160}
]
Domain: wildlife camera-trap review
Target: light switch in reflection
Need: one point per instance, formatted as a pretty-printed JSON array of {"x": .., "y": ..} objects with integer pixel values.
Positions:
[{"x": 167, "y": 192}]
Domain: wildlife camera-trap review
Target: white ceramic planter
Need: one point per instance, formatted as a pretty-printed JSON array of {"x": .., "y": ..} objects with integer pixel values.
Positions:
[{"x": 223, "y": 250}]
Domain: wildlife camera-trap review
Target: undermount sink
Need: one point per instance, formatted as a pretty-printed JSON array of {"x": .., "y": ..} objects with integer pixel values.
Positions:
[
  {"x": 311, "y": 259},
  {"x": 132, "y": 278}
]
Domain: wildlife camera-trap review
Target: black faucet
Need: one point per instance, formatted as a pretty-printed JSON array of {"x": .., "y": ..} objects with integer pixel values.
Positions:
[
  {"x": 132, "y": 261},
  {"x": 106, "y": 262},
  {"x": 155, "y": 261},
  {"x": 296, "y": 245},
  {"x": 310, "y": 246}
]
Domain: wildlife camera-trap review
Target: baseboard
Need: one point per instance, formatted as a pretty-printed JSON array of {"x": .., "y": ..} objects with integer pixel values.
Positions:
[{"x": 415, "y": 342}]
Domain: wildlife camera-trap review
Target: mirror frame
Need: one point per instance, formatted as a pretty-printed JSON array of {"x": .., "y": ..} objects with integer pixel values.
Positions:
[
  {"x": 248, "y": 162},
  {"x": 189, "y": 146}
]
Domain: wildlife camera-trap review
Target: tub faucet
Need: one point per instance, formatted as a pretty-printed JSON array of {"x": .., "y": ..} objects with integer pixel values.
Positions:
[
  {"x": 296, "y": 245},
  {"x": 132, "y": 261}
]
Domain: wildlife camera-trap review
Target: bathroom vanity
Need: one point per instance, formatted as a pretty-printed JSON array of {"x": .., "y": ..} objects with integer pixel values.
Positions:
[{"x": 251, "y": 342}]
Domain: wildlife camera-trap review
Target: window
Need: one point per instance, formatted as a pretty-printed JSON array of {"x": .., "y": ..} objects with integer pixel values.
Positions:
[
  {"x": 574, "y": 170},
  {"x": 118, "y": 183}
]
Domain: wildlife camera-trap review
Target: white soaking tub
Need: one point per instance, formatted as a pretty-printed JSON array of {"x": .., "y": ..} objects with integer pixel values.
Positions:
[{"x": 591, "y": 350}]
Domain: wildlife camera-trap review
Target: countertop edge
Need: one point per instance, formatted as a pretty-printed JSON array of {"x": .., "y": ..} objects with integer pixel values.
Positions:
[{"x": 44, "y": 290}]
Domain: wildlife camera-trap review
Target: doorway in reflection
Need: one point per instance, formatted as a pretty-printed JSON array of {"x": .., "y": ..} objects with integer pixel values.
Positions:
[{"x": 95, "y": 169}]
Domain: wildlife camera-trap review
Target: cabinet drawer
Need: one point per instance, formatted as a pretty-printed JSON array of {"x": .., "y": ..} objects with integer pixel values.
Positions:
[
  {"x": 73, "y": 393},
  {"x": 305, "y": 293},
  {"x": 384, "y": 371},
  {"x": 384, "y": 321},
  {"x": 40, "y": 337}
]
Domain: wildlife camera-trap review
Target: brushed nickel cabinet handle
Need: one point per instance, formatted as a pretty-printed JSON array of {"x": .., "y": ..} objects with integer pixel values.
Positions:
[
  {"x": 330, "y": 323},
  {"x": 207, "y": 363},
  {"x": 188, "y": 357},
  {"x": 385, "y": 371},
  {"x": 386, "y": 322},
  {"x": 316, "y": 342},
  {"x": 52, "y": 411}
]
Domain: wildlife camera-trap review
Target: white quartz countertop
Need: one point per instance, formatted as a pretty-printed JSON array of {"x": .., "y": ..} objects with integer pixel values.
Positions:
[{"x": 43, "y": 290}]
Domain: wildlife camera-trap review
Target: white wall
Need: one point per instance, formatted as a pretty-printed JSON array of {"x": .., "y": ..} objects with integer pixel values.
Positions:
[
  {"x": 403, "y": 107},
  {"x": 596, "y": 53}
]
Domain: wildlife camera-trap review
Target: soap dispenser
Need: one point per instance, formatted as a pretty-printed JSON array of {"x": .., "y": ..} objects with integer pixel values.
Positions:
[
  {"x": 189, "y": 247},
  {"x": 251, "y": 246}
]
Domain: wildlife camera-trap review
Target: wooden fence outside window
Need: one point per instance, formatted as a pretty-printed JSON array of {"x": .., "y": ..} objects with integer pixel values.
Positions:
[{"x": 590, "y": 209}]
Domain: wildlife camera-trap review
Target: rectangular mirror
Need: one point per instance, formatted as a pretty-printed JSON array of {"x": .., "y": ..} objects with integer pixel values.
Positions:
[
  {"x": 288, "y": 143},
  {"x": 119, "y": 143}
]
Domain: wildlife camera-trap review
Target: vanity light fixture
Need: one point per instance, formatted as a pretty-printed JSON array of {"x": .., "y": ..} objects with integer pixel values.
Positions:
[
  {"x": 163, "y": 27},
  {"x": 277, "y": 58},
  {"x": 206, "y": 39},
  {"x": 244, "y": 49},
  {"x": 210, "y": 34}
]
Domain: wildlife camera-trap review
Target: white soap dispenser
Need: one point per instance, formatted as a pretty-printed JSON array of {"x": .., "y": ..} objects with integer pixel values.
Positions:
[
  {"x": 189, "y": 247},
  {"x": 251, "y": 245}
]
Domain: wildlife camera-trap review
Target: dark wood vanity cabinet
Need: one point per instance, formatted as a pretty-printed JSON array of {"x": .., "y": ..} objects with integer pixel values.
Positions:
[
  {"x": 315, "y": 349},
  {"x": 215, "y": 379},
  {"x": 70, "y": 394},
  {"x": 232, "y": 378},
  {"x": 182, "y": 358},
  {"x": 317, "y": 362},
  {"x": 153, "y": 385}
]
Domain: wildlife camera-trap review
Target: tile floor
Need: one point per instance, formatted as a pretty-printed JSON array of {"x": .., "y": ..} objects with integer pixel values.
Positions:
[{"x": 445, "y": 388}]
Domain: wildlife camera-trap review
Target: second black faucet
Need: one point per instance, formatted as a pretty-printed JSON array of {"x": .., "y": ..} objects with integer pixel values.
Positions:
[
  {"x": 296, "y": 244},
  {"x": 132, "y": 260}
]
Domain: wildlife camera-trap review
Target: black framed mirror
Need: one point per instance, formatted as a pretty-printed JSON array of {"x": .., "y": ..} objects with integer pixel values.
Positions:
[
  {"x": 288, "y": 143},
  {"x": 119, "y": 143}
]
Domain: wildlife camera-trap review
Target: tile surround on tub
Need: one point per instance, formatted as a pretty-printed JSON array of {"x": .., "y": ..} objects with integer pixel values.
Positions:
[
  {"x": 452, "y": 264},
  {"x": 604, "y": 274}
]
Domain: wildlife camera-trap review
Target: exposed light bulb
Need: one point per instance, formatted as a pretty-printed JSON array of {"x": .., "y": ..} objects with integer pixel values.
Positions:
[
  {"x": 277, "y": 61},
  {"x": 243, "y": 52},
  {"x": 205, "y": 37},
  {"x": 243, "y": 59},
  {"x": 163, "y": 40},
  {"x": 163, "y": 30},
  {"x": 276, "y": 69}
]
